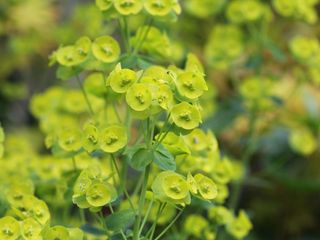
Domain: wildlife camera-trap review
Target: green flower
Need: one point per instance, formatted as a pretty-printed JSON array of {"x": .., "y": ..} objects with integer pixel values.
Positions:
[
  {"x": 90, "y": 137},
  {"x": 113, "y": 138},
  {"x": 158, "y": 7},
  {"x": 197, "y": 140},
  {"x": 121, "y": 80},
  {"x": 171, "y": 187},
  {"x": 104, "y": 5},
  {"x": 220, "y": 215},
  {"x": 9, "y": 228},
  {"x": 69, "y": 56},
  {"x": 70, "y": 139},
  {"x": 128, "y": 7},
  {"x": 56, "y": 233},
  {"x": 185, "y": 115},
  {"x": 100, "y": 194},
  {"x": 31, "y": 229},
  {"x": 83, "y": 47},
  {"x": 106, "y": 49},
  {"x": 207, "y": 188},
  {"x": 164, "y": 96},
  {"x": 195, "y": 225},
  {"x": 240, "y": 227},
  {"x": 139, "y": 97},
  {"x": 303, "y": 141}
]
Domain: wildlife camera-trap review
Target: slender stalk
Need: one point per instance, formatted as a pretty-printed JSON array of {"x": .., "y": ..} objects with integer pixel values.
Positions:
[
  {"x": 136, "y": 234},
  {"x": 143, "y": 37},
  {"x": 236, "y": 193},
  {"x": 121, "y": 231},
  {"x": 146, "y": 216},
  {"x": 154, "y": 225},
  {"x": 123, "y": 188},
  {"x": 169, "y": 226},
  {"x": 85, "y": 95}
]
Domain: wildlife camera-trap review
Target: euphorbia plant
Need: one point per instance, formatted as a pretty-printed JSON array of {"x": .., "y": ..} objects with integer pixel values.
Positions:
[{"x": 137, "y": 158}]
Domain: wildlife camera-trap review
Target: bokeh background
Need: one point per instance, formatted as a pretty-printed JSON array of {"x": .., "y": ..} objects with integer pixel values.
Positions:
[{"x": 262, "y": 60}]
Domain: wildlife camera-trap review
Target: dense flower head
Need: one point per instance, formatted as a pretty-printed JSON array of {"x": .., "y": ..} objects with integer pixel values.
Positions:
[{"x": 294, "y": 8}]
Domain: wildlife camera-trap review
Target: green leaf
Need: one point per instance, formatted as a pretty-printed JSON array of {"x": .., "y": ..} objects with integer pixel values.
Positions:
[
  {"x": 92, "y": 230},
  {"x": 141, "y": 158},
  {"x": 120, "y": 220},
  {"x": 164, "y": 159}
]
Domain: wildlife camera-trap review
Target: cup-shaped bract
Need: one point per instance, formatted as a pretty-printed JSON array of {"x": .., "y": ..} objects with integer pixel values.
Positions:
[
  {"x": 185, "y": 115},
  {"x": 56, "y": 232},
  {"x": 100, "y": 194},
  {"x": 83, "y": 47},
  {"x": 158, "y": 7},
  {"x": 197, "y": 140},
  {"x": 9, "y": 228},
  {"x": 220, "y": 214},
  {"x": 158, "y": 74},
  {"x": 303, "y": 141},
  {"x": 139, "y": 97},
  {"x": 191, "y": 85},
  {"x": 37, "y": 209},
  {"x": 195, "y": 225},
  {"x": 113, "y": 138},
  {"x": 128, "y": 7},
  {"x": 120, "y": 80},
  {"x": 104, "y": 5},
  {"x": 175, "y": 144},
  {"x": 106, "y": 49},
  {"x": 90, "y": 137},
  {"x": 69, "y": 56},
  {"x": 31, "y": 229},
  {"x": 194, "y": 65},
  {"x": 193, "y": 185},
  {"x": 207, "y": 188},
  {"x": 70, "y": 139},
  {"x": 171, "y": 187},
  {"x": 240, "y": 226},
  {"x": 164, "y": 96}
]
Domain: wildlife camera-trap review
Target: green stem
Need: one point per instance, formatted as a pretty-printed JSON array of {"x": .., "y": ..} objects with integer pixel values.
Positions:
[
  {"x": 169, "y": 226},
  {"x": 122, "y": 186},
  {"x": 136, "y": 234},
  {"x": 146, "y": 216},
  {"x": 85, "y": 95},
  {"x": 121, "y": 231},
  {"x": 154, "y": 225},
  {"x": 234, "y": 199},
  {"x": 143, "y": 37}
]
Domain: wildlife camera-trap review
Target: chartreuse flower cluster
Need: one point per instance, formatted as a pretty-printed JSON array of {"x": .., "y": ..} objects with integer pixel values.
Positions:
[
  {"x": 127, "y": 155},
  {"x": 247, "y": 11},
  {"x": 303, "y": 10},
  {"x": 28, "y": 193},
  {"x": 204, "y": 9},
  {"x": 306, "y": 51},
  {"x": 224, "y": 46}
]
